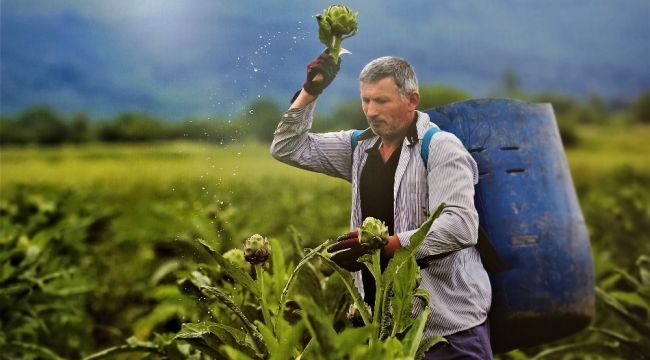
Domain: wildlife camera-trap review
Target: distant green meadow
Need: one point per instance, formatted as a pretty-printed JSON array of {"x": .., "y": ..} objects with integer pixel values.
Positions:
[{"x": 161, "y": 164}]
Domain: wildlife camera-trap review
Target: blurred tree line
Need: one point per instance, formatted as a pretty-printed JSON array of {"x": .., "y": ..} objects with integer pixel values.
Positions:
[{"x": 41, "y": 124}]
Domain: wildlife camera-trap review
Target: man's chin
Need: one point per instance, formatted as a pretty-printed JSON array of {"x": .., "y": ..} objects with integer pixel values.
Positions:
[{"x": 376, "y": 130}]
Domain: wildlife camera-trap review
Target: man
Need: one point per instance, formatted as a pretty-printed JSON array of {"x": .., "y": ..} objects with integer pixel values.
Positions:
[{"x": 391, "y": 182}]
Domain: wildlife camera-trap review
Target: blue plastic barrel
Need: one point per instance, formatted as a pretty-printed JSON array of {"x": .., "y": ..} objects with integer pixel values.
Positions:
[{"x": 529, "y": 209}]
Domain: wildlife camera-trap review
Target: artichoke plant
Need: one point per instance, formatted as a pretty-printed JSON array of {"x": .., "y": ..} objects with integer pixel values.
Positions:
[
  {"x": 257, "y": 249},
  {"x": 337, "y": 22},
  {"x": 373, "y": 233}
]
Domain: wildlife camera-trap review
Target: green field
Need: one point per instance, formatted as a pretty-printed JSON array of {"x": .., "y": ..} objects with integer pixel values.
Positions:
[
  {"x": 153, "y": 200},
  {"x": 600, "y": 150}
]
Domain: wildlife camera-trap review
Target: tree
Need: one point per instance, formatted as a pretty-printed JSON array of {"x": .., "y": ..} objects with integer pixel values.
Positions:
[
  {"x": 263, "y": 117},
  {"x": 42, "y": 125},
  {"x": 79, "y": 128},
  {"x": 348, "y": 115},
  {"x": 641, "y": 108},
  {"x": 432, "y": 96},
  {"x": 511, "y": 86},
  {"x": 131, "y": 126}
]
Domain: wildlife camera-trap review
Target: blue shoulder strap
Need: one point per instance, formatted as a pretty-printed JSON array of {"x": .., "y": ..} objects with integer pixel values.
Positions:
[
  {"x": 355, "y": 138},
  {"x": 426, "y": 140}
]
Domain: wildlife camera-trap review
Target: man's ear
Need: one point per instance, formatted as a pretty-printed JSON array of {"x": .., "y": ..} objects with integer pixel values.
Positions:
[{"x": 414, "y": 99}]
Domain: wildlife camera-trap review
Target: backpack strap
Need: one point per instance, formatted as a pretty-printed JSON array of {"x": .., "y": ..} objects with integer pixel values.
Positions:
[
  {"x": 355, "y": 138},
  {"x": 426, "y": 140}
]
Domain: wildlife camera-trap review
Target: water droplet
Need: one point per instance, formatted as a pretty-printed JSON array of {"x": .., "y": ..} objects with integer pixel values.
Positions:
[
  {"x": 250, "y": 111},
  {"x": 256, "y": 69}
]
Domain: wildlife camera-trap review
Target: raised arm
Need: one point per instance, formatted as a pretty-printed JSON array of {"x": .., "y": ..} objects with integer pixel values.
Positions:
[{"x": 294, "y": 144}]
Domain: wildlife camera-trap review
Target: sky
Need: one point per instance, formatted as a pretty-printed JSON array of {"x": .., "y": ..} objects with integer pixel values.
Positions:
[{"x": 179, "y": 59}]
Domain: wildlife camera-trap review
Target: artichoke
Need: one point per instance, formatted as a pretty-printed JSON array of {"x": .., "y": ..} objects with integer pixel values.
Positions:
[
  {"x": 337, "y": 22},
  {"x": 373, "y": 233},
  {"x": 257, "y": 249}
]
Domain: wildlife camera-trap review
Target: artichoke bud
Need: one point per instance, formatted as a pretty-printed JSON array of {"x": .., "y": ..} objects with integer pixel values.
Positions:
[
  {"x": 342, "y": 19},
  {"x": 236, "y": 257},
  {"x": 324, "y": 31},
  {"x": 373, "y": 233},
  {"x": 257, "y": 249}
]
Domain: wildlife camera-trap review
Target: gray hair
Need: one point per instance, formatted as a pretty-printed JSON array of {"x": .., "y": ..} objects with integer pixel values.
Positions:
[{"x": 398, "y": 68}]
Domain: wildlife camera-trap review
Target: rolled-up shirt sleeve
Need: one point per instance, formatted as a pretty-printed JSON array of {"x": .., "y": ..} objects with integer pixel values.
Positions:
[{"x": 327, "y": 153}]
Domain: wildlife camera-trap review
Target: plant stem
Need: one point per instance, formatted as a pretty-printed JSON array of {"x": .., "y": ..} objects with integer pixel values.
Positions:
[
  {"x": 335, "y": 49},
  {"x": 265, "y": 310},
  {"x": 376, "y": 313}
]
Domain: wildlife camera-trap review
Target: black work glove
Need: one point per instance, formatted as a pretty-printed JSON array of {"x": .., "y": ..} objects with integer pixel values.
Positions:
[
  {"x": 325, "y": 66},
  {"x": 351, "y": 251}
]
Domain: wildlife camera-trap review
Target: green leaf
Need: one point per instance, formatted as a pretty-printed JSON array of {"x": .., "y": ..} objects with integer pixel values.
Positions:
[
  {"x": 386, "y": 321},
  {"x": 234, "y": 354},
  {"x": 427, "y": 344},
  {"x": 636, "y": 346},
  {"x": 318, "y": 323},
  {"x": 269, "y": 339},
  {"x": 225, "y": 299},
  {"x": 42, "y": 352},
  {"x": 414, "y": 334},
  {"x": 212, "y": 335},
  {"x": 291, "y": 336},
  {"x": 123, "y": 349},
  {"x": 305, "y": 260},
  {"x": 279, "y": 271},
  {"x": 600, "y": 349},
  {"x": 406, "y": 254},
  {"x": 393, "y": 349},
  {"x": 630, "y": 299},
  {"x": 643, "y": 263},
  {"x": 200, "y": 337},
  {"x": 423, "y": 295},
  {"x": 364, "y": 309},
  {"x": 239, "y": 275},
  {"x": 348, "y": 339},
  {"x": 402, "y": 302},
  {"x": 635, "y": 322}
]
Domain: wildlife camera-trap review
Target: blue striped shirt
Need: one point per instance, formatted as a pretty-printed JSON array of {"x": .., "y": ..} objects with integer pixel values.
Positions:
[{"x": 458, "y": 284}]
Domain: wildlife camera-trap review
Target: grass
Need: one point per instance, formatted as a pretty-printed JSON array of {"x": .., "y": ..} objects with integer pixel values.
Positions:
[
  {"x": 164, "y": 165},
  {"x": 602, "y": 149}
]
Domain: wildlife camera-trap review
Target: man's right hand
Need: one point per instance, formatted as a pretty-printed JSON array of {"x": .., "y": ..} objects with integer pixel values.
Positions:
[
  {"x": 320, "y": 73},
  {"x": 347, "y": 251}
]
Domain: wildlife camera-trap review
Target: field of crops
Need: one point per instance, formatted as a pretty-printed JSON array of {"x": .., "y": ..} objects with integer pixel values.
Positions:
[{"x": 96, "y": 238}]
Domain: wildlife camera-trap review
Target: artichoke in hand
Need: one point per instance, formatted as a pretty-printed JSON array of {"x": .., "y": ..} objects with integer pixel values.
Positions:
[
  {"x": 373, "y": 233},
  {"x": 337, "y": 22}
]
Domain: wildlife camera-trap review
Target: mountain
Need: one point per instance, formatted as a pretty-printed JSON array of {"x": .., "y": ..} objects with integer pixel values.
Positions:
[{"x": 213, "y": 57}]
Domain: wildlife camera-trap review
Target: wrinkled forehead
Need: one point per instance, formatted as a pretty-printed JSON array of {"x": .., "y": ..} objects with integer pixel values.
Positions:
[{"x": 382, "y": 87}]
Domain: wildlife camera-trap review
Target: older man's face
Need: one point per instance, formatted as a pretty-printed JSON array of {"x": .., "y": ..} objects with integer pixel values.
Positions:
[{"x": 388, "y": 113}]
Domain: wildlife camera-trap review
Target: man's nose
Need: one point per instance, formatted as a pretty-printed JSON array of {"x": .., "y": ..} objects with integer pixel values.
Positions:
[{"x": 371, "y": 110}]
